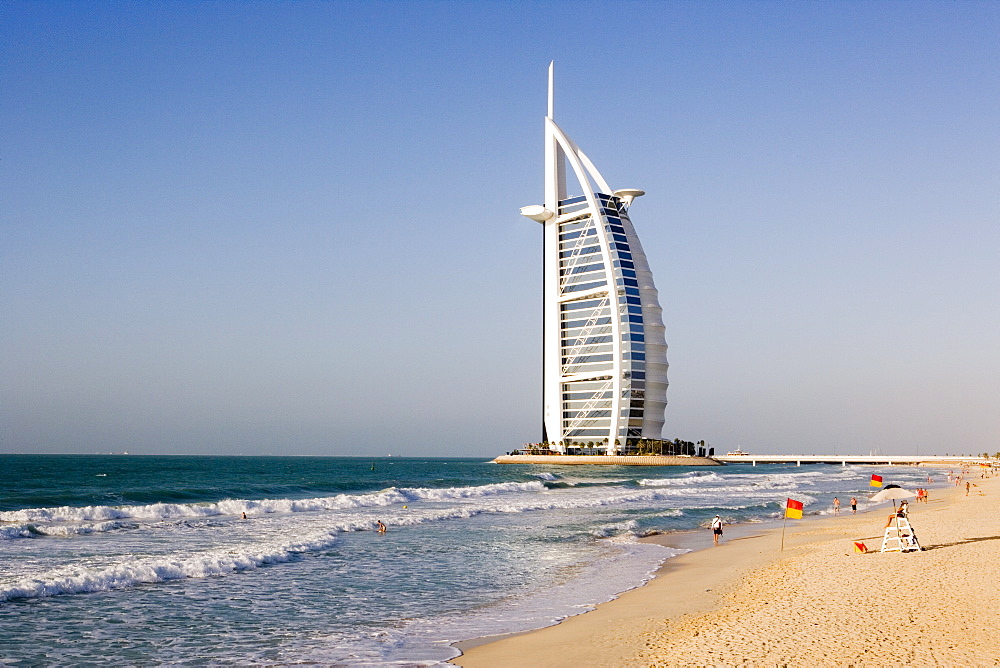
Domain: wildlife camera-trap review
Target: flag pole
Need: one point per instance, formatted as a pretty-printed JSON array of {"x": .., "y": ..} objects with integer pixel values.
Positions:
[{"x": 793, "y": 508}]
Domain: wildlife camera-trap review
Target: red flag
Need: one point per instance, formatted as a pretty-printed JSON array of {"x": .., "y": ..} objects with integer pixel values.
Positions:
[
  {"x": 876, "y": 481},
  {"x": 793, "y": 509}
]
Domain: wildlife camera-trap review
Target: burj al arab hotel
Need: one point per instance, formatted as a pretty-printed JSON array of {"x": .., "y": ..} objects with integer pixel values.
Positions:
[{"x": 604, "y": 366}]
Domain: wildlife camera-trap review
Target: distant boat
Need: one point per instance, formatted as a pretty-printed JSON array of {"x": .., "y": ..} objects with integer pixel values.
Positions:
[{"x": 737, "y": 453}]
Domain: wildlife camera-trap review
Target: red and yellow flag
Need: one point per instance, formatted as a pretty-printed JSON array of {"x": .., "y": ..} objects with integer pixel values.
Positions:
[
  {"x": 793, "y": 509},
  {"x": 876, "y": 481}
]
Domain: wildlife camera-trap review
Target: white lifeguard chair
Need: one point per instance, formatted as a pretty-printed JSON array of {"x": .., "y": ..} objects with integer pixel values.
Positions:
[{"x": 900, "y": 537}]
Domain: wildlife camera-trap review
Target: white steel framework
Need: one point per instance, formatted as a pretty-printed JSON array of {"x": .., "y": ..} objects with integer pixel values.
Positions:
[{"x": 604, "y": 375}]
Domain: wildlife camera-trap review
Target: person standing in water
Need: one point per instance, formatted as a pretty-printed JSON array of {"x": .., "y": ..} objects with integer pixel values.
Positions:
[
  {"x": 836, "y": 506},
  {"x": 716, "y": 529},
  {"x": 381, "y": 527}
]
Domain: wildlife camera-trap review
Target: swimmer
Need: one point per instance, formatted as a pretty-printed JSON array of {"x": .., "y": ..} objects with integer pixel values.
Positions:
[
  {"x": 381, "y": 527},
  {"x": 244, "y": 515}
]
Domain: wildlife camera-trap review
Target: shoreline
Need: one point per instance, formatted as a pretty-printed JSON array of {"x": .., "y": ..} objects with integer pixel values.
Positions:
[
  {"x": 721, "y": 605},
  {"x": 690, "y": 540},
  {"x": 693, "y": 541}
]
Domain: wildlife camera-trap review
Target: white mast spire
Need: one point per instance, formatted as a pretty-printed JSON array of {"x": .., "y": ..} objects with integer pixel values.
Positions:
[{"x": 551, "y": 88}]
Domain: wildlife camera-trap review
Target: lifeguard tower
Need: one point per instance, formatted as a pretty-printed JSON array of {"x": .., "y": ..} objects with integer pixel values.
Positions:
[{"x": 899, "y": 536}]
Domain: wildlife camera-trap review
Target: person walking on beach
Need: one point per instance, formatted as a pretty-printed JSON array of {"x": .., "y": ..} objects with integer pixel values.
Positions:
[
  {"x": 854, "y": 505},
  {"x": 966, "y": 487},
  {"x": 716, "y": 529},
  {"x": 836, "y": 506}
]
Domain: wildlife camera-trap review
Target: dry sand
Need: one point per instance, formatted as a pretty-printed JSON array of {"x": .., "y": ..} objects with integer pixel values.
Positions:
[{"x": 818, "y": 603}]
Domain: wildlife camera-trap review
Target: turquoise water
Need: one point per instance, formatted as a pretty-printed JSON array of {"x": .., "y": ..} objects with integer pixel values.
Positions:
[{"x": 148, "y": 560}]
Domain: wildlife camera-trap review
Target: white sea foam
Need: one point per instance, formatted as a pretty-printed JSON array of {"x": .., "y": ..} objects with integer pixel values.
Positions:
[
  {"x": 688, "y": 479},
  {"x": 730, "y": 481},
  {"x": 628, "y": 528},
  {"x": 671, "y": 482}
]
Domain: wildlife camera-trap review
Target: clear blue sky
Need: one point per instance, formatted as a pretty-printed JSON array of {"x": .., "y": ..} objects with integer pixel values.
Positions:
[{"x": 293, "y": 227}]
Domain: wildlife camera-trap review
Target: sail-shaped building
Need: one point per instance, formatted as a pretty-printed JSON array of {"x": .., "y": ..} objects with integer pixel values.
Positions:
[{"x": 604, "y": 366}]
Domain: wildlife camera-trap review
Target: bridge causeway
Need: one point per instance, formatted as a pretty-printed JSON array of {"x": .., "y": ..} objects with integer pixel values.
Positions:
[
  {"x": 799, "y": 460},
  {"x": 844, "y": 460}
]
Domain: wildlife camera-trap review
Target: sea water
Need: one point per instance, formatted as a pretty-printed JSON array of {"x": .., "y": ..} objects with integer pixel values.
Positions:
[{"x": 148, "y": 560}]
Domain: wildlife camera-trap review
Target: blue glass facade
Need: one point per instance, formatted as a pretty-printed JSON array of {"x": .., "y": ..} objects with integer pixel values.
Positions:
[{"x": 587, "y": 324}]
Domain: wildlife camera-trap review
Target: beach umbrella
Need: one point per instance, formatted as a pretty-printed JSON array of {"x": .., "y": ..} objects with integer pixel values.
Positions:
[{"x": 892, "y": 492}]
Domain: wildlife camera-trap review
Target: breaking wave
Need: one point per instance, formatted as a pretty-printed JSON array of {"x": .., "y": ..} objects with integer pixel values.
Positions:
[
  {"x": 162, "y": 569},
  {"x": 160, "y": 511}
]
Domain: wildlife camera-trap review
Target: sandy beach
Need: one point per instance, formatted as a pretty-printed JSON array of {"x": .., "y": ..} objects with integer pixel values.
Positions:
[{"x": 818, "y": 602}]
